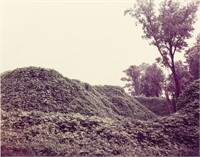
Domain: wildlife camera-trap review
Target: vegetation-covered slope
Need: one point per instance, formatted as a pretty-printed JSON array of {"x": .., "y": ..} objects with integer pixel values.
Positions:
[
  {"x": 155, "y": 104},
  {"x": 189, "y": 95},
  {"x": 48, "y": 91},
  {"x": 38, "y": 132}
]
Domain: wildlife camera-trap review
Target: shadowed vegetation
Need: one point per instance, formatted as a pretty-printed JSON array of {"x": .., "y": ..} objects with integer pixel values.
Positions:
[
  {"x": 105, "y": 121},
  {"x": 157, "y": 105}
]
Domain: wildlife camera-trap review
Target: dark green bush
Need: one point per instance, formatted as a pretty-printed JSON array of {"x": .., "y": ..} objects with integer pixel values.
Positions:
[{"x": 189, "y": 95}]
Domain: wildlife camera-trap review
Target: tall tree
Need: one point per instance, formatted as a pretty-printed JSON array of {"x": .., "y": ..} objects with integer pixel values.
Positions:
[
  {"x": 167, "y": 29},
  {"x": 193, "y": 58}
]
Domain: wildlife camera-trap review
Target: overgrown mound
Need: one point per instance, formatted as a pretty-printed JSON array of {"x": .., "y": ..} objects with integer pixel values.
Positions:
[
  {"x": 122, "y": 102},
  {"x": 155, "y": 104},
  {"x": 48, "y": 91},
  {"x": 191, "y": 94},
  {"x": 38, "y": 133}
]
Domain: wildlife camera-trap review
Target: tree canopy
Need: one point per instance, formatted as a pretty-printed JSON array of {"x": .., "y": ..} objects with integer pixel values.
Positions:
[
  {"x": 167, "y": 29},
  {"x": 144, "y": 80},
  {"x": 193, "y": 58}
]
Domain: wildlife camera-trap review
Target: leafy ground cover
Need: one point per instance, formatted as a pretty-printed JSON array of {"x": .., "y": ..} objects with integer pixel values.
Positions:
[
  {"x": 31, "y": 129},
  {"x": 155, "y": 104},
  {"x": 48, "y": 91}
]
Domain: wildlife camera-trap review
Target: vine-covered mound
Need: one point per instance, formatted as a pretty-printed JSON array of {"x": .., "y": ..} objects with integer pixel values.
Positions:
[
  {"x": 46, "y": 90},
  {"x": 189, "y": 95},
  {"x": 40, "y": 133}
]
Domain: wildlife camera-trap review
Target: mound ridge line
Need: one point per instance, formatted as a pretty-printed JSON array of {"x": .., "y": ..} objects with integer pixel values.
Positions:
[{"x": 48, "y": 91}]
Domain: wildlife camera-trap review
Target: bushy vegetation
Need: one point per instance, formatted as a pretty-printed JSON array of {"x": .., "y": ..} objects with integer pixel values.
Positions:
[
  {"x": 192, "y": 57},
  {"x": 189, "y": 95},
  {"x": 157, "y": 105},
  {"x": 44, "y": 132},
  {"x": 122, "y": 103}
]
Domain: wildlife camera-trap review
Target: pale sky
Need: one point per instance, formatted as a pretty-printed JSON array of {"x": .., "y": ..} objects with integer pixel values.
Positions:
[{"x": 91, "y": 41}]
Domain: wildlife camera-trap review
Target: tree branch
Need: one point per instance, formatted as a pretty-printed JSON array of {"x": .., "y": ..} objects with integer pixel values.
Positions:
[{"x": 175, "y": 46}]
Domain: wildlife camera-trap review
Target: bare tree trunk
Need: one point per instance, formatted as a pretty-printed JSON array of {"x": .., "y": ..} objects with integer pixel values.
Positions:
[
  {"x": 137, "y": 86},
  {"x": 176, "y": 81},
  {"x": 177, "y": 86},
  {"x": 168, "y": 102}
]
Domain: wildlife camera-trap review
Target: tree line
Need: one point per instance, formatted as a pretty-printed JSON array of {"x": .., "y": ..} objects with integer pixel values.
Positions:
[{"x": 167, "y": 29}]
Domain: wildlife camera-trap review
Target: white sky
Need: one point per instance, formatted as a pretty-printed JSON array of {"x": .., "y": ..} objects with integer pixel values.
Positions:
[{"x": 91, "y": 41}]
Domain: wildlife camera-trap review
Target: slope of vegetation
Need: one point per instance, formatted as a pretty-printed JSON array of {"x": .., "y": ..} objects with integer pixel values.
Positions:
[
  {"x": 155, "y": 104},
  {"x": 48, "y": 91},
  {"x": 189, "y": 95},
  {"x": 37, "y": 131}
]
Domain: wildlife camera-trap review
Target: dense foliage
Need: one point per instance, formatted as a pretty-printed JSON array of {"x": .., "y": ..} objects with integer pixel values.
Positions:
[
  {"x": 48, "y": 91},
  {"x": 157, "y": 105},
  {"x": 39, "y": 131},
  {"x": 184, "y": 80},
  {"x": 144, "y": 80},
  {"x": 167, "y": 28},
  {"x": 193, "y": 58},
  {"x": 152, "y": 81},
  {"x": 189, "y": 95}
]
